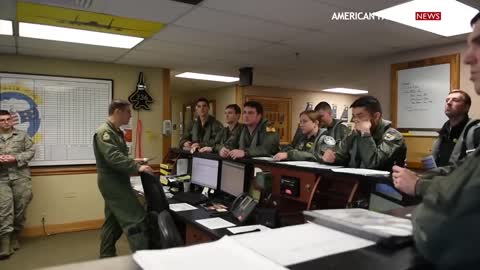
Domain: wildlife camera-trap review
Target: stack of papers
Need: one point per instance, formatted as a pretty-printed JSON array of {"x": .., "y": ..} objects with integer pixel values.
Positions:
[
  {"x": 271, "y": 159},
  {"x": 136, "y": 183},
  {"x": 214, "y": 223},
  {"x": 177, "y": 207},
  {"x": 366, "y": 172},
  {"x": 295, "y": 244},
  {"x": 225, "y": 253},
  {"x": 309, "y": 164}
]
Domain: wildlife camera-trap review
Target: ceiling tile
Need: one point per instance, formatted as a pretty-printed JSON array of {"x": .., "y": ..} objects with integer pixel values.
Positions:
[
  {"x": 164, "y": 11},
  {"x": 63, "y": 54},
  {"x": 300, "y": 13},
  {"x": 241, "y": 26},
  {"x": 178, "y": 34},
  {"x": 363, "y": 5}
]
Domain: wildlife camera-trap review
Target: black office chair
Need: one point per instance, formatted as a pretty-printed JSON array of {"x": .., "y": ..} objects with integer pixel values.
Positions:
[{"x": 164, "y": 233}]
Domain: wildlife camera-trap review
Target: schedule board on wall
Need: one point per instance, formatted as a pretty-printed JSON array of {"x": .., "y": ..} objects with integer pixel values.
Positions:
[{"x": 61, "y": 114}]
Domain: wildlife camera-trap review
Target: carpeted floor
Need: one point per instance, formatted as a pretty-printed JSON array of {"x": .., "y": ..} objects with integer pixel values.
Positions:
[{"x": 58, "y": 249}]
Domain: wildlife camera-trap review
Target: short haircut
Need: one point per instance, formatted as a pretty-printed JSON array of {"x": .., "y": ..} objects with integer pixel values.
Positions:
[
  {"x": 324, "y": 106},
  {"x": 370, "y": 103},
  {"x": 312, "y": 115},
  {"x": 202, "y": 99},
  {"x": 4, "y": 112},
  {"x": 254, "y": 104},
  {"x": 117, "y": 104},
  {"x": 234, "y": 107},
  {"x": 466, "y": 97},
  {"x": 475, "y": 19}
]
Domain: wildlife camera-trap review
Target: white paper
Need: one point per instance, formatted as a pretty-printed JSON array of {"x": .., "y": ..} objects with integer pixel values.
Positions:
[
  {"x": 365, "y": 172},
  {"x": 136, "y": 183},
  {"x": 242, "y": 229},
  {"x": 271, "y": 159},
  {"x": 309, "y": 164},
  {"x": 223, "y": 254},
  {"x": 300, "y": 243},
  {"x": 182, "y": 166},
  {"x": 214, "y": 223},
  {"x": 177, "y": 207}
]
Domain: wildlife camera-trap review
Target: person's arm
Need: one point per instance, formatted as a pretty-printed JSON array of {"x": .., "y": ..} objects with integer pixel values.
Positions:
[
  {"x": 300, "y": 155},
  {"x": 186, "y": 137},
  {"x": 220, "y": 140},
  {"x": 268, "y": 147},
  {"x": 112, "y": 154},
  {"x": 376, "y": 156},
  {"x": 27, "y": 154},
  {"x": 342, "y": 150},
  {"x": 341, "y": 133}
]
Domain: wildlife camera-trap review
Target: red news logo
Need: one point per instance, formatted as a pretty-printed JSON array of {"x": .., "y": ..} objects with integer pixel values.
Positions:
[{"x": 428, "y": 16}]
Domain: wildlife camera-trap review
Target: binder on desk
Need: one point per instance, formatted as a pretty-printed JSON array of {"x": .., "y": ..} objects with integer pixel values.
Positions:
[{"x": 366, "y": 224}]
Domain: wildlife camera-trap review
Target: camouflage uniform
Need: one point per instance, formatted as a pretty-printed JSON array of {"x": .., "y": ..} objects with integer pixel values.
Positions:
[
  {"x": 205, "y": 135},
  {"x": 123, "y": 211},
  {"x": 380, "y": 150},
  {"x": 445, "y": 224},
  {"x": 15, "y": 187},
  {"x": 304, "y": 149},
  {"x": 264, "y": 141},
  {"x": 228, "y": 138}
]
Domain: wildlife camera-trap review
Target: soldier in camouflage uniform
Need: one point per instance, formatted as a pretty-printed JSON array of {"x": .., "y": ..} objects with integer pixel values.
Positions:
[
  {"x": 204, "y": 129},
  {"x": 123, "y": 211},
  {"x": 16, "y": 150},
  {"x": 228, "y": 136},
  {"x": 257, "y": 138},
  {"x": 373, "y": 144},
  {"x": 445, "y": 224},
  {"x": 305, "y": 146}
]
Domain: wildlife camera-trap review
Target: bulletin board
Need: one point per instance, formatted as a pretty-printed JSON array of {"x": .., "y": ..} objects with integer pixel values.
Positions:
[{"x": 61, "y": 114}]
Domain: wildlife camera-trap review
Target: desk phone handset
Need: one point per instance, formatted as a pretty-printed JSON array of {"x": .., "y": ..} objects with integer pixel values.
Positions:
[{"x": 243, "y": 206}]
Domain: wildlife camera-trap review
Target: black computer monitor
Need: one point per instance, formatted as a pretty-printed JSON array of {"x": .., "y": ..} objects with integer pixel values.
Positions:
[
  {"x": 205, "y": 172},
  {"x": 232, "y": 179}
]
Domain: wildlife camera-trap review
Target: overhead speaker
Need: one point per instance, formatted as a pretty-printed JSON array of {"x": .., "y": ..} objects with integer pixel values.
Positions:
[{"x": 246, "y": 76}]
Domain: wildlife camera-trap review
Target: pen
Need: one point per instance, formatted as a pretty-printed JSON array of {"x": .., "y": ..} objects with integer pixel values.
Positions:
[{"x": 256, "y": 230}]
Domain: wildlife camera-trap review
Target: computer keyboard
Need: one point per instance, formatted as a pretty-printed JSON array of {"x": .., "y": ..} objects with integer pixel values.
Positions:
[{"x": 190, "y": 197}]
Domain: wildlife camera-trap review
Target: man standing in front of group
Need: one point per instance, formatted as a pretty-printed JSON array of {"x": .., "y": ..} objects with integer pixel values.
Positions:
[
  {"x": 123, "y": 211},
  {"x": 16, "y": 150},
  {"x": 373, "y": 144},
  {"x": 256, "y": 138},
  {"x": 228, "y": 136},
  {"x": 445, "y": 224}
]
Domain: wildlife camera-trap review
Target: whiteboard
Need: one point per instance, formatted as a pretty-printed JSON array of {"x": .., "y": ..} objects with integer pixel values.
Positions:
[
  {"x": 61, "y": 114},
  {"x": 421, "y": 96}
]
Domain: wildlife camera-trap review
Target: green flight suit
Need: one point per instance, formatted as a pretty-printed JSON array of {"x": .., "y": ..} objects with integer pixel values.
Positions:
[
  {"x": 123, "y": 211},
  {"x": 263, "y": 141},
  {"x": 331, "y": 137},
  {"x": 304, "y": 149},
  {"x": 380, "y": 150},
  {"x": 15, "y": 187},
  {"x": 445, "y": 224},
  {"x": 205, "y": 135},
  {"x": 228, "y": 138}
]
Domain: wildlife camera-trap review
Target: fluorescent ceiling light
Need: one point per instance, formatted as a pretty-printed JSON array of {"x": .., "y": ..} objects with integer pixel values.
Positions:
[
  {"x": 349, "y": 91},
  {"x": 455, "y": 16},
  {"x": 48, "y": 32},
  {"x": 6, "y": 27},
  {"x": 207, "y": 77}
]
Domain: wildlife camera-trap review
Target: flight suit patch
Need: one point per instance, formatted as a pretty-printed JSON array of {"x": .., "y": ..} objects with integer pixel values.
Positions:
[
  {"x": 329, "y": 140},
  {"x": 270, "y": 129},
  {"x": 106, "y": 137},
  {"x": 389, "y": 137}
]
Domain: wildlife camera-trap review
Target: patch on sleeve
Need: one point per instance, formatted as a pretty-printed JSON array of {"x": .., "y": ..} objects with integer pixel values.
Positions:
[
  {"x": 270, "y": 129},
  {"x": 389, "y": 137},
  {"x": 106, "y": 137},
  {"x": 329, "y": 140}
]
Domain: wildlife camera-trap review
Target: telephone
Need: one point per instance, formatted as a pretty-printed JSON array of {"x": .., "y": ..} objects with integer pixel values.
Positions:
[{"x": 242, "y": 207}]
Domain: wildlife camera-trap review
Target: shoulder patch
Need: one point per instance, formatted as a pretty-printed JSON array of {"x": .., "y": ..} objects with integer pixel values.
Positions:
[
  {"x": 329, "y": 140},
  {"x": 106, "y": 136},
  {"x": 270, "y": 129},
  {"x": 391, "y": 135}
]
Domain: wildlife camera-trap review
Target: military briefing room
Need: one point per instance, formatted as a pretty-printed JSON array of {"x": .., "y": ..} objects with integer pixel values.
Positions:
[{"x": 254, "y": 134}]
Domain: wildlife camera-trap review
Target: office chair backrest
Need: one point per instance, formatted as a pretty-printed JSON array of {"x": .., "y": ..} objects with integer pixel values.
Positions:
[{"x": 154, "y": 195}]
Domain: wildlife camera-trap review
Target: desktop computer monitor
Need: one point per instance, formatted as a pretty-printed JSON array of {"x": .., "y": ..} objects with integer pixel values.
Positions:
[
  {"x": 205, "y": 172},
  {"x": 232, "y": 180}
]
